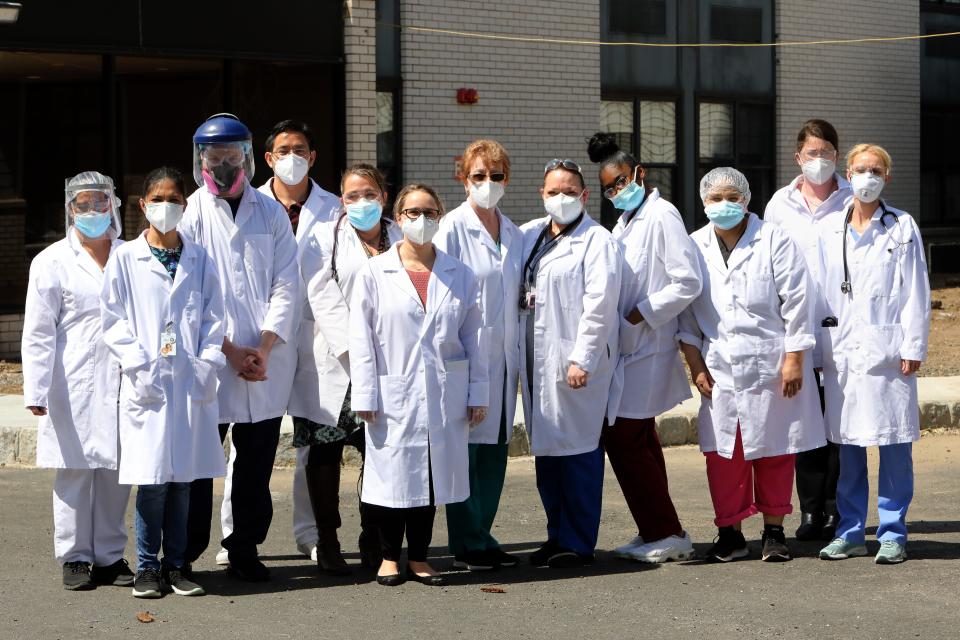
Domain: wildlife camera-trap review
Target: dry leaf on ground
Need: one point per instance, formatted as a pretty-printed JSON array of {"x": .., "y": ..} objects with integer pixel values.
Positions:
[{"x": 144, "y": 616}]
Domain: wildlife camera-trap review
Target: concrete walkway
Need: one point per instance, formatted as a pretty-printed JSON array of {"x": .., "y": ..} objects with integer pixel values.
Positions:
[{"x": 939, "y": 409}]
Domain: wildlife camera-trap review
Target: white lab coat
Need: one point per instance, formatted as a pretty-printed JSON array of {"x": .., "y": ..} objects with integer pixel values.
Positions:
[
  {"x": 330, "y": 304},
  {"x": 788, "y": 209},
  {"x": 577, "y": 289},
  {"x": 67, "y": 368},
  {"x": 750, "y": 313},
  {"x": 419, "y": 369},
  {"x": 321, "y": 206},
  {"x": 168, "y": 405},
  {"x": 464, "y": 237},
  {"x": 887, "y": 317},
  {"x": 256, "y": 262},
  {"x": 661, "y": 277}
]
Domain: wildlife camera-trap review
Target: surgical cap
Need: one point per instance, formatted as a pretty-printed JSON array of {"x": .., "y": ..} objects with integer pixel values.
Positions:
[{"x": 725, "y": 178}]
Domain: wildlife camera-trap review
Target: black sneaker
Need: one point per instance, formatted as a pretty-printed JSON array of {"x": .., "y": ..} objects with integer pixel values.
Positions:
[
  {"x": 76, "y": 576},
  {"x": 502, "y": 558},
  {"x": 147, "y": 584},
  {"x": 567, "y": 559},
  {"x": 774, "y": 545},
  {"x": 117, "y": 574},
  {"x": 475, "y": 561},
  {"x": 248, "y": 569},
  {"x": 541, "y": 556},
  {"x": 180, "y": 584},
  {"x": 729, "y": 545}
]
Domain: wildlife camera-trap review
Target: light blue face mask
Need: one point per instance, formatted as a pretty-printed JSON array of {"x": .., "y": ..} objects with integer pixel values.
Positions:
[
  {"x": 631, "y": 196},
  {"x": 364, "y": 214},
  {"x": 92, "y": 225},
  {"x": 725, "y": 214}
]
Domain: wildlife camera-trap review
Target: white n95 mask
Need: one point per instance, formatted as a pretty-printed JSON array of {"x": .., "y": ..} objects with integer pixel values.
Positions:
[
  {"x": 818, "y": 171},
  {"x": 866, "y": 186},
  {"x": 164, "y": 216},
  {"x": 487, "y": 194},
  {"x": 291, "y": 169},
  {"x": 563, "y": 209},
  {"x": 421, "y": 230}
]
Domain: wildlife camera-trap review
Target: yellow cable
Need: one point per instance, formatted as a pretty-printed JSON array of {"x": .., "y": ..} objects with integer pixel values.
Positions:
[{"x": 698, "y": 45}]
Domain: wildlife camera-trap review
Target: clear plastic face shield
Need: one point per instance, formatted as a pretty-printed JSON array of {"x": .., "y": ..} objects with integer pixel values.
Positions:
[
  {"x": 91, "y": 205},
  {"x": 223, "y": 168}
]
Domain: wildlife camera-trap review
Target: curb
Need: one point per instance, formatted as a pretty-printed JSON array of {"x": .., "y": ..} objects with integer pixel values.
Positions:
[{"x": 18, "y": 445}]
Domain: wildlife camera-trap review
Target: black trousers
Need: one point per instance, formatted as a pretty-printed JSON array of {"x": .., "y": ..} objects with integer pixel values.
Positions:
[
  {"x": 256, "y": 449},
  {"x": 817, "y": 473},
  {"x": 416, "y": 522}
]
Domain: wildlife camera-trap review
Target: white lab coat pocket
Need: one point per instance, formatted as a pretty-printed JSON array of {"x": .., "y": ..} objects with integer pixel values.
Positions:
[
  {"x": 455, "y": 385},
  {"x": 761, "y": 291},
  {"x": 191, "y": 310},
  {"x": 258, "y": 256},
  {"x": 880, "y": 347},
  {"x": 635, "y": 339},
  {"x": 204, "y": 381},
  {"x": 448, "y": 323},
  {"x": 565, "y": 350},
  {"x": 880, "y": 279},
  {"x": 144, "y": 385},
  {"x": 389, "y": 427},
  {"x": 770, "y": 355}
]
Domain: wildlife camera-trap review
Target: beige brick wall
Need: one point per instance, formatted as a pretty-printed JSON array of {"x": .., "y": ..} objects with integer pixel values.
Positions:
[
  {"x": 360, "y": 43},
  {"x": 869, "y": 92},
  {"x": 539, "y": 100},
  {"x": 11, "y": 329}
]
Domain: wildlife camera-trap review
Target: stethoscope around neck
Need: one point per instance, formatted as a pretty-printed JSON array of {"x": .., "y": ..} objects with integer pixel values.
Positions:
[{"x": 846, "y": 287}]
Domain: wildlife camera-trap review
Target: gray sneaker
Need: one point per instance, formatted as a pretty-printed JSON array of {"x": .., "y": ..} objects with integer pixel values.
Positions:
[
  {"x": 76, "y": 576},
  {"x": 840, "y": 549},
  {"x": 775, "y": 547},
  {"x": 178, "y": 582},
  {"x": 891, "y": 553}
]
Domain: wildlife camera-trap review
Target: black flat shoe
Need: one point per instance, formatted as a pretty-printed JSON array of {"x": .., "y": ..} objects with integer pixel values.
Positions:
[
  {"x": 430, "y": 581},
  {"x": 829, "y": 530},
  {"x": 541, "y": 556},
  {"x": 810, "y": 527},
  {"x": 393, "y": 580}
]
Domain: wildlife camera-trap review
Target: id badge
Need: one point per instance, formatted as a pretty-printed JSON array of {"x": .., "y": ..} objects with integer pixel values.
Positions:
[{"x": 168, "y": 341}]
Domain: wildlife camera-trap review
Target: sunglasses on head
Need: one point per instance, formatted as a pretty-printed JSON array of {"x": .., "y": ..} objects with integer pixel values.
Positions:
[{"x": 567, "y": 164}]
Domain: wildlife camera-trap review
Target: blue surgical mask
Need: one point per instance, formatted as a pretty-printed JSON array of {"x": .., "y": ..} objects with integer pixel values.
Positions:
[
  {"x": 92, "y": 225},
  {"x": 364, "y": 214},
  {"x": 630, "y": 197},
  {"x": 725, "y": 214}
]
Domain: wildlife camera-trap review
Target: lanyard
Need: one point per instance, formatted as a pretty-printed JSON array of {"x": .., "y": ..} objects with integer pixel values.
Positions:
[
  {"x": 381, "y": 247},
  {"x": 537, "y": 254}
]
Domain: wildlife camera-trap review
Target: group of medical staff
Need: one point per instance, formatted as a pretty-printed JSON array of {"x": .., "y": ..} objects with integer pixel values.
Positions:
[{"x": 407, "y": 336}]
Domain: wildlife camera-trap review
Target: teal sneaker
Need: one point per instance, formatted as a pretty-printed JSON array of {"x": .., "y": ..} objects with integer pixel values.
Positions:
[
  {"x": 891, "y": 553},
  {"x": 840, "y": 549}
]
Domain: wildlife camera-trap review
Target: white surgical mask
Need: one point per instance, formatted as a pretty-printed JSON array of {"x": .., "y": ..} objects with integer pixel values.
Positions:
[
  {"x": 818, "y": 171},
  {"x": 164, "y": 216},
  {"x": 866, "y": 186},
  {"x": 562, "y": 208},
  {"x": 291, "y": 169},
  {"x": 421, "y": 230},
  {"x": 487, "y": 194}
]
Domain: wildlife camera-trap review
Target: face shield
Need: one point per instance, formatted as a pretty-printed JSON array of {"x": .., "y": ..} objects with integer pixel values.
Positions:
[
  {"x": 91, "y": 205},
  {"x": 223, "y": 156}
]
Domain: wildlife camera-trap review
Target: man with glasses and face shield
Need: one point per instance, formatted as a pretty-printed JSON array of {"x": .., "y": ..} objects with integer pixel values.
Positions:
[
  {"x": 71, "y": 383},
  {"x": 248, "y": 236}
]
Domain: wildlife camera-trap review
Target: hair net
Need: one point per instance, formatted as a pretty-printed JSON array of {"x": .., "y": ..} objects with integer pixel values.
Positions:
[
  {"x": 725, "y": 178},
  {"x": 91, "y": 181}
]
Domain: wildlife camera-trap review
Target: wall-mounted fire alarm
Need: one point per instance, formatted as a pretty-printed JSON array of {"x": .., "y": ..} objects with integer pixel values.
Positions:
[{"x": 467, "y": 96}]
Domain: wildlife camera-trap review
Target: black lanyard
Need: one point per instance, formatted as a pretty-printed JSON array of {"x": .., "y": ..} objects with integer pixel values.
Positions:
[
  {"x": 536, "y": 255},
  {"x": 381, "y": 247}
]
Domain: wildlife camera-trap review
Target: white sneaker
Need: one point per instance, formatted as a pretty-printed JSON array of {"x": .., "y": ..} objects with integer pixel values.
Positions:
[
  {"x": 223, "y": 557},
  {"x": 309, "y": 550},
  {"x": 627, "y": 550},
  {"x": 672, "y": 548}
]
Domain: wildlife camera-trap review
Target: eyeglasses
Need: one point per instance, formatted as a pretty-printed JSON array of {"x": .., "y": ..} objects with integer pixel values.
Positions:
[
  {"x": 414, "y": 212},
  {"x": 303, "y": 152},
  {"x": 821, "y": 154},
  {"x": 354, "y": 196},
  {"x": 494, "y": 177},
  {"x": 880, "y": 172},
  {"x": 615, "y": 188},
  {"x": 567, "y": 164}
]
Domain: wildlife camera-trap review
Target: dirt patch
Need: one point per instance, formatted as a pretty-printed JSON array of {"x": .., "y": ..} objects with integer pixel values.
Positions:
[
  {"x": 11, "y": 378},
  {"x": 943, "y": 352}
]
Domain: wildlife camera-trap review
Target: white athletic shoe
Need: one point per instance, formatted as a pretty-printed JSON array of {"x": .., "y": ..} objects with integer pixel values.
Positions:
[
  {"x": 309, "y": 550},
  {"x": 223, "y": 557},
  {"x": 672, "y": 548},
  {"x": 627, "y": 550}
]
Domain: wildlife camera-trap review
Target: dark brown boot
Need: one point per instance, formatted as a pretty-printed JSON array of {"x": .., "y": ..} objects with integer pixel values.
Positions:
[{"x": 323, "y": 485}]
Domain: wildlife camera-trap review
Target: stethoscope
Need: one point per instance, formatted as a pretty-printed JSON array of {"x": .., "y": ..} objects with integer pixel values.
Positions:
[{"x": 846, "y": 287}]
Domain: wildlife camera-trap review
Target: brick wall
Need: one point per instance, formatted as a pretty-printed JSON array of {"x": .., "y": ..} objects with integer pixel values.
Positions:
[
  {"x": 539, "y": 100},
  {"x": 869, "y": 92},
  {"x": 11, "y": 329},
  {"x": 361, "y": 80},
  {"x": 14, "y": 264}
]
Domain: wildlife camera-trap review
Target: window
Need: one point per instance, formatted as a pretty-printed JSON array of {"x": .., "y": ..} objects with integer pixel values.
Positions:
[
  {"x": 740, "y": 135},
  {"x": 388, "y": 139},
  {"x": 648, "y": 130},
  {"x": 638, "y": 17},
  {"x": 736, "y": 24},
  {"x": 939, "y": 167}
]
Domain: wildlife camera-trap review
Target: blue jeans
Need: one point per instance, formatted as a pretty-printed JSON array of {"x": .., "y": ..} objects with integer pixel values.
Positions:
[
  {"x": 162, "y": 519},
  {"x": 894, "y": 492}
]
